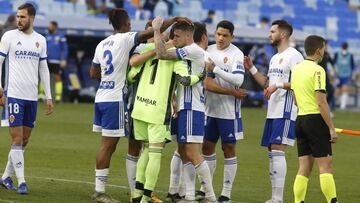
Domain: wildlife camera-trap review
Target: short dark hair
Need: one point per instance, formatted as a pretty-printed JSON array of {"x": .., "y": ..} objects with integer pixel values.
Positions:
[
  {"x": 226, "y": 25},
  {"x": 183, "y": 26},
  {"x": 118, "y": 17},
  {"x": 200, "y": 30},
  {"x": 148, "y": 24},
  {"x": 264, "y": 19},
  {"x": 284, "y": 25},
  {"x": 29, "y": 7},
  {"x": 312, "y": 43},
  {"x": 211, "y": 12},
  {"x": 345, "y": 45},
  {"x": 54, "y": 23}
]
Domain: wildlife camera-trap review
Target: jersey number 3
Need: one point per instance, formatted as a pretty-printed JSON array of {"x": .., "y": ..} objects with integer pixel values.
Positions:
[{"x": 109, "y": 66}]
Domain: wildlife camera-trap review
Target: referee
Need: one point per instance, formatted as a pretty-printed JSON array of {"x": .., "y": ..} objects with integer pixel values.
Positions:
[{"x": 314, "y": 128}]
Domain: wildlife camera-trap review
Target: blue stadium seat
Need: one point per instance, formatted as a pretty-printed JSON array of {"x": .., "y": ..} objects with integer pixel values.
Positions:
[{"x": 6, "y": 7}]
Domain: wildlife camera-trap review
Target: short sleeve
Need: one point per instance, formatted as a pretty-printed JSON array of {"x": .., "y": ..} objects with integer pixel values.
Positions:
[
  {"x": 132, "y": 39},
  {"x": 297, "y": 58},
  {"x": 96, "y": 61},
  {"x": 5, "y": 44},
  {"x": 320, "y": 80},
  {"x": 190, "y": 52},
  {"x": 43, "y": 54},
  {"x": 237, "y": 67}
]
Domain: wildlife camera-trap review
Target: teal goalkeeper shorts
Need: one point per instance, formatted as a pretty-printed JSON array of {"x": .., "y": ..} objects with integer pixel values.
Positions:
[{"x": 152, "y": 133}]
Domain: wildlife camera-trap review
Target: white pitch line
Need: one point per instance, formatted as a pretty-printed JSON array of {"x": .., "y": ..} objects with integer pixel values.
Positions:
[
  {"x": 7, "y": 201},
  {"x": 88, "y": 183}
]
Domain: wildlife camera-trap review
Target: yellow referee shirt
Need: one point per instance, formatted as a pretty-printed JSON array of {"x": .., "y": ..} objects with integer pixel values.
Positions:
[{"x": 306, "y": 78}]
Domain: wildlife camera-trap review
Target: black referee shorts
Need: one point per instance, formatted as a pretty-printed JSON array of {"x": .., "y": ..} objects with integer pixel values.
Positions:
[
  {"x": 54, "y": 68},
  {"x": 313, "y": 136}
]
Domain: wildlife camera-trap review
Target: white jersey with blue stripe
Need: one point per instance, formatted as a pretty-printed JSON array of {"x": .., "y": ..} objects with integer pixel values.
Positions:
[
  {"x": 192, "y": 97},
  {"x": 281, "y": 103},
  {"x": 112, "y": 56},
  {"x": 230, "y": 60},
  {"x": 24, "y": 53}
]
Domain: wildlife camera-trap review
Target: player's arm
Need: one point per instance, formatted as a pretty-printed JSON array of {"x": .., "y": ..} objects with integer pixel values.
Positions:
[
  {"x": 45, "y": 78},
  {"x": 138, "y": 59},
  {"x": 183, "y": 77},
  {"x": 259, "y": 78},
  {"x": 4, "y": 50},
  {"x": 212, "y": 86},
  {"x": 95, "y": 71},
  {"x": 149, "y": 33},
  {"x": 319, "y": 82},
  {"x": 236, "y": 77}
]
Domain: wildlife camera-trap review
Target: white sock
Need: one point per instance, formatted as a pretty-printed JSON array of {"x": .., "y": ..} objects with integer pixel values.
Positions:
[
  {"x": 17, "y": 159},
  {"x": 101, "y": 176},
  {"x": 182, "y": 184},
  {"x": 189, "y": 177},
  {"x": 204, "y": 174},
  {"x": 279, "y": 173},
  {"x": 175, "y": 173},
  {"x": 9, "y": 169},
  {"x": 211, "y": 162},
  {"x": 230, "y": 168},
  {"x": 271, "y": 169},
  {"x": 343, "y": 100},
  {"x": 131, "y": 162}
]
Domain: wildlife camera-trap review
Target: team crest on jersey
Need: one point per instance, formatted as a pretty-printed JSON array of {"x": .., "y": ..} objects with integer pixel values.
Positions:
[
  {"x": 12, "y": 118},
  {"x": 281, "y": 60},
  {"x": 225, "y": 59},
  {"x": 37, "y": 44}
]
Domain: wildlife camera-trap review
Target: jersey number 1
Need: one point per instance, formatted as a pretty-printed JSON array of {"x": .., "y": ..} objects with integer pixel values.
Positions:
[
  {"x": 109, "y": 66},
  {"x": 154, "y": 64}
]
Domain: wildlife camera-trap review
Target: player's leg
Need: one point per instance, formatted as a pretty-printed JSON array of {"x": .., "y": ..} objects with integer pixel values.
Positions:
[
  {"x": 322, "y": 152},
  {"x": 141, "y": 133},
  {"x": 134, "y": 149},
  {"x": 109, "y": 122},
  {"x": 301, "y": 180},
  {"x": 158, "y": 135},
  {"x": 176, "y": 167},
  {"x": 208, "y": 150},
  {"x": 58, "y": 85},
  {"x": 230, "y": 132},
  {"x": 345, "y": 89}
]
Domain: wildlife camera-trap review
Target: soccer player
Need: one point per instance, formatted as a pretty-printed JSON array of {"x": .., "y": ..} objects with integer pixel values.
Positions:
[
  {"x": 344, "y": 67},
  {"x": 57, "y": 56},
  {"x": 152, "y": 112},
  {"x": 190, "y": 111},
  {"x": 110, "y": 64},
  {"x": 25, "y": 50},
  {"x": 134, "y": 146},
  {"x": 314, "y": 128},
  {"x": 221, "y": 108},
  {"x": 281, "y": 112}
]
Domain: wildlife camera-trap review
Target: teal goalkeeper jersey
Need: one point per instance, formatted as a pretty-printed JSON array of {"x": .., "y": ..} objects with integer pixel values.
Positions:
[{"x": 157, "y": 83}]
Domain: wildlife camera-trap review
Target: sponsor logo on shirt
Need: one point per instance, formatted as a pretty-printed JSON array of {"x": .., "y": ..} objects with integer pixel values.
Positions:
[
  {"x": 147, "y": 101},
  {"x": 21, "y": 54},
  {"x": 107, "y": 85}
]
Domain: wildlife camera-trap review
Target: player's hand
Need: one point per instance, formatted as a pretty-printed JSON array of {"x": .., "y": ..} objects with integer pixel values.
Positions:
[
  {"x": 248, "y": 62},
  {"x": 210, "y": 65},
  {"x": 269, "y": 91},
  {"x": 333, "y": 136},
  {"x": 63, "y": 64},
  {"x": 239, "y": 93},
  {"x": 157, "y": 23},
  {"x": 183, "y": 20},
  {"x": 2, "y": 100},
  {"x": 50, "y": 107},
  {"x": 169, "y": 44}
]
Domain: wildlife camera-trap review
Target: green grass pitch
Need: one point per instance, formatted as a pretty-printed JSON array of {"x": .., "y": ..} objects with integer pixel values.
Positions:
[{"x": 60, "y": 161}]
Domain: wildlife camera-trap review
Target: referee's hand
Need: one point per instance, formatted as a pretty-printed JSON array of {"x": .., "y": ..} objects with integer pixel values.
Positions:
[{"x": 333, "y": 136}]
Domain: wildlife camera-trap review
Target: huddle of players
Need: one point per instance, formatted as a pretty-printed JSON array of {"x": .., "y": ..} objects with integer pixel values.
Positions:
[{"x": 187, "y": 68}]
